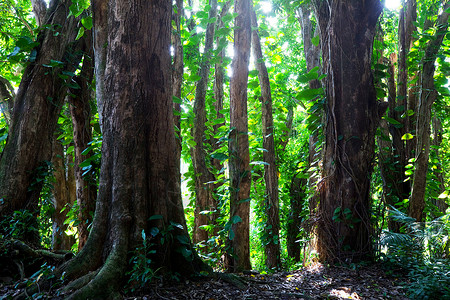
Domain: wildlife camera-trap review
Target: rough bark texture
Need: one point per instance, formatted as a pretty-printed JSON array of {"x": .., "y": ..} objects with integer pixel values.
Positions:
[
  {"x": 204, "y": 178},
  {"x": 80, "y": 110},
  {"x": 177, "y": 72},
  {"x": 297, "y": 196},
  {"x": 36, "y": 109},
  {"x": 7, "y": 96},
  {"x": 394, "y": 187},
  {"x": 347, "y": 30},
  {"x": 61, "y": 198},
  {"x": 239, "y": 158},
  {"x": 272, "y": 244},
  {"x": 40, "y": 11},
  {"x": 427, "y": 96},
  {"x": 312, "y": 56},
  {"x": 440, "y": 204},
  {"x": 138, "y": 176}
]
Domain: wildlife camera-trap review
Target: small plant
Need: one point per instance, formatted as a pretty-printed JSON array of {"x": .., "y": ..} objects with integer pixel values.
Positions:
[
  {"x": 420, "y": 252},
  {"x": 141, "y": 271}
]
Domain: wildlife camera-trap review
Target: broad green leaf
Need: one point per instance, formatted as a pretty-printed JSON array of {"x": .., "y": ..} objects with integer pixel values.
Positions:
[
  {"x": 155, "y": 217},
  {"x": 80, "y": 33},
  {"x": 407, "y": 136}
]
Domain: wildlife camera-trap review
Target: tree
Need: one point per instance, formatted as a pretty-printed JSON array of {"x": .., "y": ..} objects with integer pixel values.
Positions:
[
  {"x": 239, "y": 158},
  {"x": 37, "y": 105},
  {"x": 427, "y": 96},
  {"x": 272, "y": 244},
  {"x": 204, "y": 178},
  {"x": 139, "y": 190},
  {"x": 347, "y": 30}
]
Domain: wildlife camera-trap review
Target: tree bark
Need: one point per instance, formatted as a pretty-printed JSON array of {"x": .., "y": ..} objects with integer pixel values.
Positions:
[
  {"x": 272, "y": 244},
  {"x": 427, "y": 96},
  {"x": 204, "y": 178},
  {"x": 347, "y": 30},
  {"x": 7, "y": 96},
  {"x": 177, "y": 73},
  {"x": 60, "y": 240},
  {"x": 36, "y": 109},
  {"x": 440, "y": 204},
  {"x": 139, "y": 186},
  {"x": 239, "y": 156},
  {"x": 40, "y": 11},
  {"x": 80, "y": 110}
]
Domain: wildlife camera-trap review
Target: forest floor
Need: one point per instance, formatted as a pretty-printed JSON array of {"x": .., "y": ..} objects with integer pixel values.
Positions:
[{"x": 313, "y": 282}]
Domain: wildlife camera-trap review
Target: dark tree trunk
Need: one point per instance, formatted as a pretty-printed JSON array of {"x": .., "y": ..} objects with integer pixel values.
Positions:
[
  {"x": 271, "y": 201},
  {"x": 7, "y": 96},
  {"x": 440, "y": 204},
  {"x": 60, "y": 240},
  {"x": 36, "y": 109},
  {"x": 204, "y": 178},
  {"x": 239, "y": 156},
  {"x": 80, "y": 110},
  {"x": 177, "y": 73},
  {"x": 139, "y": 176},
  {"x": 347, "y": 30},
  {"x": 427, "y": 96},
  {"x": 297, "y": 197}
]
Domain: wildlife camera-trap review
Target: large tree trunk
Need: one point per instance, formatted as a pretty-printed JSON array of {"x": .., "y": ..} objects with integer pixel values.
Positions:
[
  {"x": 347, "y": 30},
  {"x": 80, "y": 110},
  {"x": 427, "y": 96},
  {"x": 204, "y": 178},
  {"x": 37, "y": 105},
  {"x": 239, "y": 158},
  {"x": 440, "y": 204},
  {"x": 272, "y": 244},
  {"x": 139, "y": 186}
]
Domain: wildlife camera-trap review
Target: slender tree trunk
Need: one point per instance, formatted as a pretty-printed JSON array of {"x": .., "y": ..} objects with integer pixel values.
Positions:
[
  {"x": 139, "y": 185},
  {"x": 60, "y": 240},
  {"x": 239, "y": 158},
  {"x": 204, "y": 199},
  {"x": 297, "y": 197},
  {"x": 440, "y": 204},
  {"x": 427, "y": 96},
  {"x": 177, "y": 72},
  {"x": 347, "y": 30},
  {"x": 36, "y": 110},
  {"x": 272, "y": 246},
  {"x": 80, "y": 110},
  {"x": 7, "y": 96}
]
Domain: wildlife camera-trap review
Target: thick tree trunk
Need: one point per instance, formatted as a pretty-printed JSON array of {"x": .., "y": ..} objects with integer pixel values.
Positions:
[
  {"x": 139, "y": 186},
  {"x": 204, "y": 178},
  {"x": 427, "y": 96},
  {"x": 80, "y": 110},
  {"x": 36, "y": 109},
  {"x": 239, "y": 157},
  {"x": 272, "y": 244},
  {"x": 347, "y": 31}
]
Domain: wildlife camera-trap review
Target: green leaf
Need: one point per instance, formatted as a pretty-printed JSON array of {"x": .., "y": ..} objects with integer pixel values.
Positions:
[
  {"x": 87, "y": 22},
  {"x": 219, "y": 156},
  {"x": 154, "y": 231},
  {"x": 177, "y": 225},
  {"x": 80, "y": 33},
  {"x": 259, "y": 163},
  {"x": 231, "y": 235},
  {"x": 143, "y": 234},
  {"x": 407, "y": 136},
  {"x": 235, "y": 219},
  {"x": 155, "y": 217},
  {"x": 315, "y": 40},
  {"x": 308, "y": 94},
  {"x": 183, "y": 239},
  {"x": 392, "y": 121}
]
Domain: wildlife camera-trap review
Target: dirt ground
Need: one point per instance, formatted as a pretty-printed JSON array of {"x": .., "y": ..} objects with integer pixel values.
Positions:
[{"x": 313, "y": 282}]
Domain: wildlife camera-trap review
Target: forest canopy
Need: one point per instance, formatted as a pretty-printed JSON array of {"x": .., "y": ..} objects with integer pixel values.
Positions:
[{"x": 144, "y": 139}]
